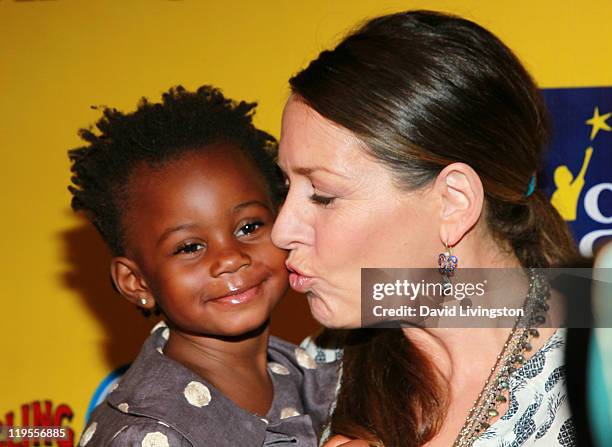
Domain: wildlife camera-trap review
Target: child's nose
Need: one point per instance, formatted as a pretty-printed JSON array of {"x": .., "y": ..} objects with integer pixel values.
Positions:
[{"x": 229, "y": 260}]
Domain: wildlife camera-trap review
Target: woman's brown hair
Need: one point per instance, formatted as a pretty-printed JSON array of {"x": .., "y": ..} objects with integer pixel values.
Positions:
[{"x": 422, "y": 90}]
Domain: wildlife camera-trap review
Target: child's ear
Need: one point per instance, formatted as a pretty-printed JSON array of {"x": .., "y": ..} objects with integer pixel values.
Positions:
[{"x": 130, "y": 282}]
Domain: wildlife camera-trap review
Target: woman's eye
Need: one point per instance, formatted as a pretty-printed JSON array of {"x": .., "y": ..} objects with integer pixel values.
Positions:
[
  {"x": 249, "y": 228},
  {"x": 322, "y": 200},
  {"x": 189, "y": 248}
]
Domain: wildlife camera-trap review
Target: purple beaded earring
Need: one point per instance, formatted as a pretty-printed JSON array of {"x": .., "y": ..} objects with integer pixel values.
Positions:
[{"x": 447, "y": 262}]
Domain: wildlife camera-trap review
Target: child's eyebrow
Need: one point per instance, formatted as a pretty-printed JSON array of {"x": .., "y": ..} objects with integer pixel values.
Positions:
[
  {"x": 250, "y": 203},
  {"x": 171, "y": 230}
]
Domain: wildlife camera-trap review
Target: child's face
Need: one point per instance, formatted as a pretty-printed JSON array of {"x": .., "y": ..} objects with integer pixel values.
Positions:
[{"x": 198, "y": 230}]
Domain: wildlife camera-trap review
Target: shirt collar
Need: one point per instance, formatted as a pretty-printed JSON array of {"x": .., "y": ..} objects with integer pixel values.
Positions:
[{"x": 161, "y": 388}]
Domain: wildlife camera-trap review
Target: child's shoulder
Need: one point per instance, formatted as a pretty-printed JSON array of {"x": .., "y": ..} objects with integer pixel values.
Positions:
[
  {"x": 136, "y": 411},
  {"x": 286, "y": 352},
  {"x": 110, "y": 426},
  {"x": 315, "y": 383},
  {"x": 156, "y": 399}
]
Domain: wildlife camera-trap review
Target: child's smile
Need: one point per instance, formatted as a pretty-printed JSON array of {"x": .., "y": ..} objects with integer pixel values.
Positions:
[{"x": 198, "y": 229}]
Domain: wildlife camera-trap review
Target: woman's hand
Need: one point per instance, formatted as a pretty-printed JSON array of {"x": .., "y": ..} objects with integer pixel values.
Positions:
[{"x": 343, "y": 441}]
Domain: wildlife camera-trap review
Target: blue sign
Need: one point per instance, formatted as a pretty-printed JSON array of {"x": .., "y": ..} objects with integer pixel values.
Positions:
[{"x": 578, "y": 175}]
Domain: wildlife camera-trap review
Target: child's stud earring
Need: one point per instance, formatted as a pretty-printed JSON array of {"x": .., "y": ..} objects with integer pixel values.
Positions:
[{"x": 143, "y": 301}]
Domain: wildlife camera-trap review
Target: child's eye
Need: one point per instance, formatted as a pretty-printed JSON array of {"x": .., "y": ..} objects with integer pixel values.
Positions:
[
  {"x": 322, "y": 200},
  {"x": 189, "y": 248},
  {"x": 249, "y": 228}
]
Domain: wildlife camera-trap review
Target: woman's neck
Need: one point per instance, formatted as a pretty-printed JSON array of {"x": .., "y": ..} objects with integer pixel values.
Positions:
[
  {"x": 456, "y": 351},
  {"x": 479, "y": 249}
]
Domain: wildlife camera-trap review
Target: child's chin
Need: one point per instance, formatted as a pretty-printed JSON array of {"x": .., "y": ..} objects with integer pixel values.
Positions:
[{"x": 244, "y": 329}]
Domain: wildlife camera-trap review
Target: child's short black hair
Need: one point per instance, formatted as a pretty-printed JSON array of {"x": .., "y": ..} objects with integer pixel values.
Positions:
[{"x": 157, "y": 133}]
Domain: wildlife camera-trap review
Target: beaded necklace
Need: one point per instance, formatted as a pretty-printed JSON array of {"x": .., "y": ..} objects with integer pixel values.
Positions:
[{"x": 508, "y": 361}]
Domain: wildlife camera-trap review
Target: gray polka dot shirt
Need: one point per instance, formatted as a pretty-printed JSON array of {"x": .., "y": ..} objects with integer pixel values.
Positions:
[{"x": 161, "y": 403}]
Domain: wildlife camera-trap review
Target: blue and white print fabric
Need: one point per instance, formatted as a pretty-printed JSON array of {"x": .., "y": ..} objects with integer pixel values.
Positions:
[{"x": 538, "y": 412}]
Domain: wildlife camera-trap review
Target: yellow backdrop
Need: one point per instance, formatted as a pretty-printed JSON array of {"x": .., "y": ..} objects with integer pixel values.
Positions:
[{"x": 65, "y": 329}]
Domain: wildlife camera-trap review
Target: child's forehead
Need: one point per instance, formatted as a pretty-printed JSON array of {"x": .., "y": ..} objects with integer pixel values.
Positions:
[
  {"x": 210, "y": 153},
  {"x": 218, "y": 171},
  {"x": 209, "y": 161},
  {"x": 203, "y": 187}
]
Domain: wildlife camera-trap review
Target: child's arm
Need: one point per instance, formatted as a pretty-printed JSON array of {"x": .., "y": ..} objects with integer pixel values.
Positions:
[
  {"x": 110, "y": 427},
  {"x": 147, "y": 433}
]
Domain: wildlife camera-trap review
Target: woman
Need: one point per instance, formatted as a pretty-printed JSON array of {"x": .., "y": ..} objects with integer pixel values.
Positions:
[{"x": 420, "y": 134}]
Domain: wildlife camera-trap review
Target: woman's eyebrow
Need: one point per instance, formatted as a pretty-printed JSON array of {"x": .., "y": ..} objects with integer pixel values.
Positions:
[{"x": 309, "y": 171}]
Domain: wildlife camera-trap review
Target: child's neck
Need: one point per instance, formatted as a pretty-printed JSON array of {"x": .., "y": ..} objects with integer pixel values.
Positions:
[{"x": 237, "y": 367}]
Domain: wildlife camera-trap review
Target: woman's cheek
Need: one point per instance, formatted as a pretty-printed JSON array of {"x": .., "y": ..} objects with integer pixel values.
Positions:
[{"x": 334, "y": 243}]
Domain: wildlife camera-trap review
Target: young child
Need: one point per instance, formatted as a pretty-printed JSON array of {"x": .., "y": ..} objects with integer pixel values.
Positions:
[{"x": 185, "y": 192}]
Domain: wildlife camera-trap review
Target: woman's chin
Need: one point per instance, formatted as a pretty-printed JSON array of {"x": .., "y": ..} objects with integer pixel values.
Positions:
[
  {"x": 326, "y": 316},
  {"x": 319, "y": 310}
]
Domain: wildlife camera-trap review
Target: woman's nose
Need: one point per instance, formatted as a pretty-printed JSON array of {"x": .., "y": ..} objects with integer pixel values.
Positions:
[
  {"x": 229, "y": 260},
  {"x": 288, "y": 227}
]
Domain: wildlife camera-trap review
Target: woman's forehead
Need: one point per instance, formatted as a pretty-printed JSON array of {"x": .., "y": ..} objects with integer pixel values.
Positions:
[{"x": 311, "y": 142}]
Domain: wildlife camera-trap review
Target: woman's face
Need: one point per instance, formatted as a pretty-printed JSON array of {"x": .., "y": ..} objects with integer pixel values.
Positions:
[{"x": 342, "y": 213}]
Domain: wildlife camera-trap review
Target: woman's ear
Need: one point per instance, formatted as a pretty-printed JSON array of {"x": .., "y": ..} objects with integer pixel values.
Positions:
[
  {"x": 462, "y": 198},
  {"x": 130, "y": 282}
]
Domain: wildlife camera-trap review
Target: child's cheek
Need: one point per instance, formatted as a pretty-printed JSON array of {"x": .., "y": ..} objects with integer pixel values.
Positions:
[
  {"x": 183, "y": 278},
  {"x": 276, "y": 260}
]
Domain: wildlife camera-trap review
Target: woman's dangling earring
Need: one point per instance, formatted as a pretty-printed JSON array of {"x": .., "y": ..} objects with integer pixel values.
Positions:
[{"x": 447, "y": 263}]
